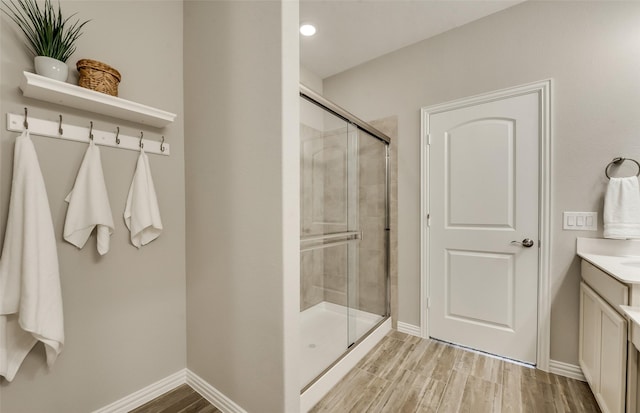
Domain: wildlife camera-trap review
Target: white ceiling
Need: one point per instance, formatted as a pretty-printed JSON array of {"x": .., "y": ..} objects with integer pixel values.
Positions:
[{"x": 351, "y": 32}]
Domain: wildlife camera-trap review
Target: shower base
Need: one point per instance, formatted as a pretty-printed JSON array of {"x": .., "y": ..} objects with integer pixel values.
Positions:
[{"x": 323, "y": 340}]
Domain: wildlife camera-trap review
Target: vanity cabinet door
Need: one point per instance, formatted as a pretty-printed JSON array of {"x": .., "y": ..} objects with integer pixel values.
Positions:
[
  {"x": 613, "y": 359},
  {"x": 603, "y": 350},
  {"x": 589, "y": 346}
]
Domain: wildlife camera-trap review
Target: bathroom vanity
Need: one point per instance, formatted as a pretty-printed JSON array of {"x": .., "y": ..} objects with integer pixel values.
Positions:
[{"x": 610, "y": 321}]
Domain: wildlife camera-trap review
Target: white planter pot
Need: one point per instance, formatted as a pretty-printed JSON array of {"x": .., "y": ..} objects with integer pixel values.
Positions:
[{"x": 51, "y": 68}]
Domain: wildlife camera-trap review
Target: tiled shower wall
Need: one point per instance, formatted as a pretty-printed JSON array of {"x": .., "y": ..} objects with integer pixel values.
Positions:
[
  {"x": 324, "y": 164},
  {"x": 371, "y": 216},
  {"x": 311, "y": 262},
  {"x": 389, "y": 126}
]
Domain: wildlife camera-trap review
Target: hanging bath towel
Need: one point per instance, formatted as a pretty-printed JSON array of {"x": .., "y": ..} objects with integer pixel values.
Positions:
[
  {"x": 89, "y": 204},
  {"x": 141, "y": 213},
  {"x": 622, "y": 208},
  {"x": 30, "y": 296}
]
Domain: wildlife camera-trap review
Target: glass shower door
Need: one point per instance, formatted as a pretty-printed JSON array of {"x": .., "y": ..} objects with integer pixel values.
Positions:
[
  {"x": 368, "y": 299},
  {"x": 344, "y": 236},
  {"x": 329, "y": 236}
]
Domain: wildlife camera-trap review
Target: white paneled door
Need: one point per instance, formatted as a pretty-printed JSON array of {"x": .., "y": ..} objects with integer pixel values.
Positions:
[{"x": 483, "y": 172}]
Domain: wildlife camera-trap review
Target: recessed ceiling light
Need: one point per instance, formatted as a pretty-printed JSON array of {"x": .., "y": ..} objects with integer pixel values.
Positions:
[{"x": 307, "y": 29}]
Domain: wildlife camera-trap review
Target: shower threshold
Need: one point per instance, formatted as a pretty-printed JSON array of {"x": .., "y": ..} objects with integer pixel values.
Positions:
[{"x": 324, "y": 343}]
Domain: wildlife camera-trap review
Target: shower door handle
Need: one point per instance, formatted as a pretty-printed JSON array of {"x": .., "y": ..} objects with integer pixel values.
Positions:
[
  {"x": 347, "y": 234},
  {"x": 330, "y": 240}
]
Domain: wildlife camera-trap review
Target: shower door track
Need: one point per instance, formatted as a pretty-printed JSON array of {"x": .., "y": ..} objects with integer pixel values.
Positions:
[
  {"x": 351, "y": 347},
  {"x": 312, "y": 96}
]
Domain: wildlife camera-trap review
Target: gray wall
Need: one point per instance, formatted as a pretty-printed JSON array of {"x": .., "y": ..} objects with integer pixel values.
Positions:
[
  {"x": 310, "y": 80},
  {"x": 590, "y": 49},
  {"x": 125, "y": 312},
  {"x": 242, "y": 194}
]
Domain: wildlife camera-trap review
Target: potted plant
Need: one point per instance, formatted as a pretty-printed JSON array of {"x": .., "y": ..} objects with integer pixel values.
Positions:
[{"x": 50, "y": 37}]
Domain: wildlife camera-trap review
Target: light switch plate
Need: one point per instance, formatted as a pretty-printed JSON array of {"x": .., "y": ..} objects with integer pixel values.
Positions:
[{"x": 580, "y": 221}]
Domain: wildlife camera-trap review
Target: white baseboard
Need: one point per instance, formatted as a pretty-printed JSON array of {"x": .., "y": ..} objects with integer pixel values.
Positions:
[
  {"x": 557, "y": 367},
  {"x": 146, "y": 394},
  {"x": 213, "y": 395},
  {"x": 226, "y": 405},
  {"x": 409, "y": 329},
  {"x": 567, "y": 370},
  {"x": 142, "y": 396}
]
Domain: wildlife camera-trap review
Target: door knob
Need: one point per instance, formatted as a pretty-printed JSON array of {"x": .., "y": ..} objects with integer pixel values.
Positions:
[{"x": 527, "y": 243}]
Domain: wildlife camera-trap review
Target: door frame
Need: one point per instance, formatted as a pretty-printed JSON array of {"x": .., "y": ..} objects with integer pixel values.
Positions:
[{"x": 543, "y": 90}]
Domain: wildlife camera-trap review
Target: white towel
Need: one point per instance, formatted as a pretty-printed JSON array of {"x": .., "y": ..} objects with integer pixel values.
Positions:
[
  {"x": 30, "y": 296},
  {"x": 89, "y": 204},
  {"x": 622, "y": 208},
  {"x": 141, "y": 213}
]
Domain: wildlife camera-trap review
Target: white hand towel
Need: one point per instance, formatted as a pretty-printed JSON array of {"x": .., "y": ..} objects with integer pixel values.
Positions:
[
  {"x": 141, "y": 213},
  {"x": 622, "y": 208},
  {"x": 30, "y": 296},
  {"x": 89, "y": 204}
]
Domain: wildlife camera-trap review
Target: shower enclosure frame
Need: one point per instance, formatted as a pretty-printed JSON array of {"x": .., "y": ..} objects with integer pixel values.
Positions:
[{"x": 353, "y": 120}]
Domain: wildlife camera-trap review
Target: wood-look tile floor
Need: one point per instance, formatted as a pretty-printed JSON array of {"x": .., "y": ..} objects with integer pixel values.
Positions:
[
  {"x": 182, "y": 399},
  {"x": 405, "y": 374}
]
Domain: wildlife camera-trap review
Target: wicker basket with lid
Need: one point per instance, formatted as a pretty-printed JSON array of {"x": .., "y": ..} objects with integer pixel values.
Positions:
[{"x": 98, "y": 76}]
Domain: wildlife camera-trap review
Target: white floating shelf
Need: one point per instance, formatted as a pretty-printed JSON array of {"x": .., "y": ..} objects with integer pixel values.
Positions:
[{"x": 66, "y": 94}]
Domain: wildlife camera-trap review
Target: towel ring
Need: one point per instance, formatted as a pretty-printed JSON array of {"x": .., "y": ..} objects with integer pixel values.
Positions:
[{"x": 618, "y": 161}]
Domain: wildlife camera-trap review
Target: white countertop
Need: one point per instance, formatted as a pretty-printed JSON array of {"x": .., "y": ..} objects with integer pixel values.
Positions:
[
  {"x": 619, "y": 258},
  {"x": 633, "y": 313}
]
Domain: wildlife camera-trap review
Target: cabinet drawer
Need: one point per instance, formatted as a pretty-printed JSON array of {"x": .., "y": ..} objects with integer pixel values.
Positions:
[{"x": 612, "y": 290}]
